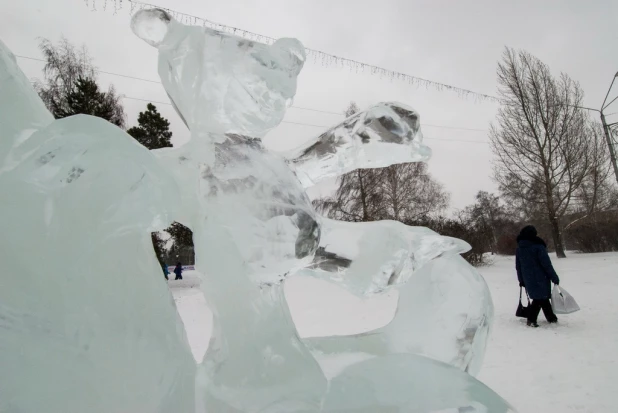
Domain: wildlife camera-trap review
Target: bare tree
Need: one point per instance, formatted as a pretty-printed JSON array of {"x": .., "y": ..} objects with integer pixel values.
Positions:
[
  {"x": 540, "y": 141},
  {"x": 64, "y": 65},
  {"x": 486, "y": 214},
  {"x": 592, "y": 225},
  {"x": 402, "y": 192},
  {"x": 358, "y": 197},
  {"x": 352, "y": 109},
  {"x": 593, "y": 194},
  {"x": 409, "y": 193},
  {"x": 70, "y": 84}
]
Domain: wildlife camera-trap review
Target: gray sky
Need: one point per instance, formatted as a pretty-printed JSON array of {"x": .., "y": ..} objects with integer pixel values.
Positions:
[{"x": 453, "y": 42}]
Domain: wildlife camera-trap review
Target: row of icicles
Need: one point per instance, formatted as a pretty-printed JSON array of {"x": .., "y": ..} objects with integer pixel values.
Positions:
[{"x": 315, "y": 56}]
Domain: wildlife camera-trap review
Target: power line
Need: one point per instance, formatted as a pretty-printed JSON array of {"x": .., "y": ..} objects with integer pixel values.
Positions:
[
  {"x": 327, "y": 127},
  {"x": 168, "y": 103},
  {"x": 285, "y": 121},
  {"x": 288, "y": 122},
  {"x": 321, "y": 111},
  {"x": 295, "y": 107},
  {"x": 452, "y": 127},
  {"x": 323, "y": 126},
  {"x": 306, "y": 124},
  {"x": 324, "y": 58},
  {"x": 100, "y": 71},
  {"x": 433, "y": 139},
  {"x": 158, "y": 82},
  {"x": 457, "y": 140},
  {"x": 146, "y": 100}
]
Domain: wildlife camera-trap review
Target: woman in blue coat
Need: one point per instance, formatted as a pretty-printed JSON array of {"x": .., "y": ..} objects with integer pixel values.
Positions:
[{"x": 535, "y": 274}]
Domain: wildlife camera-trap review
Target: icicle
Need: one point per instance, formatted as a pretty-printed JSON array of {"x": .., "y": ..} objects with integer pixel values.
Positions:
[{"x": 326, "y": 60}]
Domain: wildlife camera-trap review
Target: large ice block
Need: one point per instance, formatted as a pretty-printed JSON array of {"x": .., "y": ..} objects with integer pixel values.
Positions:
[
  {"x": 21, "y": 110},
  {"x": 84, "y": 323}
]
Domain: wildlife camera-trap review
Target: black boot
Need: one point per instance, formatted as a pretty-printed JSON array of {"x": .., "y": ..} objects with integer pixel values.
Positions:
[{"x": 532, "y": 324}]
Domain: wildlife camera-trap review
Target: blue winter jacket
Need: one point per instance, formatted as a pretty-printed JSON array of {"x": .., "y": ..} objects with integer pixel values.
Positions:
[{"x": 534, "y": 269}]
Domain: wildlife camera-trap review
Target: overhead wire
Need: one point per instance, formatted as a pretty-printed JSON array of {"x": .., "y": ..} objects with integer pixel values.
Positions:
[
  {"x": 327, "y": 127},
  {"x": 158, "y": 82},
  {"x": 293, "y": 106}
]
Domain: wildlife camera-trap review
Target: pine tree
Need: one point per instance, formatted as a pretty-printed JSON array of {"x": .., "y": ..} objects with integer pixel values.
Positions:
[
  {"x": 153, "y": 130},
  {"x": 86, "y": 98}
]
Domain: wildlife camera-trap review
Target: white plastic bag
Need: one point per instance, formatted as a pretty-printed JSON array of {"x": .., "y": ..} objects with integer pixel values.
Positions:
[{"x": 562, "y": 302}]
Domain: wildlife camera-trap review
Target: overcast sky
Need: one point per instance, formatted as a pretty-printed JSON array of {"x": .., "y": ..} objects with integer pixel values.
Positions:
[{"x": 453, "y": 42}]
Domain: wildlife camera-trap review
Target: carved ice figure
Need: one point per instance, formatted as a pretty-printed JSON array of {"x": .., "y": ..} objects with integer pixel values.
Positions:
[
  {"x": 251, "y": 203},
  {"x": 445, "y": 310},
  {"x": 252, "y": 221},
  {"x": 86, "y": 323}
]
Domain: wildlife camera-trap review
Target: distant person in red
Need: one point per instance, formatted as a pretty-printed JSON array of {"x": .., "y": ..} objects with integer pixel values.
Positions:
[{"x": 178, "y": 271}]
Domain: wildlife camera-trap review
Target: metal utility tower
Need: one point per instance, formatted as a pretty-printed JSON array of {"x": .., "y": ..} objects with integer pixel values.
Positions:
[{"x": 607, "y": 127}]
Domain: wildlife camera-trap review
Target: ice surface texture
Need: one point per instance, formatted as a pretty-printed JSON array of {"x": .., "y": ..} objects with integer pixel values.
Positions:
[
  {"x": 83, "y": 327},
  {"x": 86, "y": 323},
  {"x": 383, "y": 135}
]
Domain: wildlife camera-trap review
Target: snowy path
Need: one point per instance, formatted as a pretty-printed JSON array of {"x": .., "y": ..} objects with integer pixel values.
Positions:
[{"x": 571, "y": 367}]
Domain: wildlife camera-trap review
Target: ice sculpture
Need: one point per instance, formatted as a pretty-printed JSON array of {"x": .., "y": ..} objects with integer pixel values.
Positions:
[
  {"x": 86, "y": 323},
  {"x": 408, "y": 383},
  {"x": 435, "y": 317},
  {"x": 369, "y": 257},
  {"x": 364, "y": 140},
  {"x": 435, "y": 282}
]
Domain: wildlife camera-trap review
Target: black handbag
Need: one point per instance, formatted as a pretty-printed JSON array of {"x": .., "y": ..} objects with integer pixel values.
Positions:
[{"x": 521, "y": 310}]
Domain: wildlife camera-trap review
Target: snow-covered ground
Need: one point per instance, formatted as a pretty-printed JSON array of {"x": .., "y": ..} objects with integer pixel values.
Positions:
[{"x": 564, "y": 368}]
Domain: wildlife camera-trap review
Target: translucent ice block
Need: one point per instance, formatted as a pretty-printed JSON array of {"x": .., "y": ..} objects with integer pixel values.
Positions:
[{"x": 383, "y": 135}]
